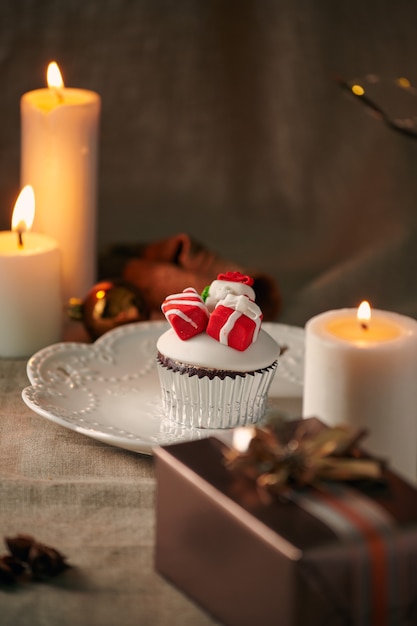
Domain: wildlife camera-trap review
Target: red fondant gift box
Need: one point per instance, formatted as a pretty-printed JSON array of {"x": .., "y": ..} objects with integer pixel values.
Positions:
[
  {"x": 186, "y": 312},
  {"x": 341, "y": 554},
  {"x": 235, "y": 322}
]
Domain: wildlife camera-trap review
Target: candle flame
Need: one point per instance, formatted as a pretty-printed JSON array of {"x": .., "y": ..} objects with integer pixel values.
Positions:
[
  {"x": 54, "y": 76},
  {"x": 364, "y": 312},
  {"x": 24, "y": 210},
  {"x": 242, "y": 438}
]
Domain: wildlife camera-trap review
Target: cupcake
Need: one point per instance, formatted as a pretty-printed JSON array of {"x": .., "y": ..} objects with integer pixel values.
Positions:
[{"x": 216, "y": 363}]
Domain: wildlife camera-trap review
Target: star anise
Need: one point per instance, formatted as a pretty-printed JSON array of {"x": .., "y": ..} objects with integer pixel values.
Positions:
[
  {"x": 28, "y": 554},
  {"x": 45, "y": 561},
  {"x": 10, "y": 569}
]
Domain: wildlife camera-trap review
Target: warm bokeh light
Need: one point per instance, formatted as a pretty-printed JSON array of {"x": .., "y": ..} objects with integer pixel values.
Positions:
[
  {"x": 242, "y": 438},
  {"x": 358, "y": 90},
  {"x": 403, "y": 82},
  {"x": 24, "y": 210},
  {"x": 364, "y": 311},
  {"x": 54, "y": 77}
]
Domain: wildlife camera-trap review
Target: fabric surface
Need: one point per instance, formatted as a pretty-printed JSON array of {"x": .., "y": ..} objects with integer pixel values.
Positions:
[{"x": 95, "y": 504}]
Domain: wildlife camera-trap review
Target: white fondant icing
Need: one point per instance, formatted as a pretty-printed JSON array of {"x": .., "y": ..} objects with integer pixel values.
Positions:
[
  {"x": 204, "y": 351},
  {"x": 242, "y": 304},
  {"x": 219, "y": 289}
]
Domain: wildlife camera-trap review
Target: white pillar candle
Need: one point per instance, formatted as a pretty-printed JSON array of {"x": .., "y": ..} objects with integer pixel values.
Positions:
[
  {"x": 59, "y": 136},
  {"x": 365, "y": 374},
  {"x": 30, "y": 288}
]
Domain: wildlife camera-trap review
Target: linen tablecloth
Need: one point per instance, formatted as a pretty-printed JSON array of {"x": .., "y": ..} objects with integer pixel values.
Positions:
[{"x": 95, "y": 504}]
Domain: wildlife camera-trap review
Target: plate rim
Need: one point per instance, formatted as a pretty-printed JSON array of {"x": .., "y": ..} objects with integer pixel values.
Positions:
[{"x": 137, "y": 443}]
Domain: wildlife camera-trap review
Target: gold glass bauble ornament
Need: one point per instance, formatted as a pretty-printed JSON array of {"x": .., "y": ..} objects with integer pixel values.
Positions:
[{"x": 107, "y": 305}]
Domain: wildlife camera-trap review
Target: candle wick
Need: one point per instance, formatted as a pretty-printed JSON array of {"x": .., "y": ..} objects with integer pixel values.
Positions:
[
  {"x": 59, "y": 95},
  {"x": 364, "y": 325},
  {"x": 20, "y": 238}
]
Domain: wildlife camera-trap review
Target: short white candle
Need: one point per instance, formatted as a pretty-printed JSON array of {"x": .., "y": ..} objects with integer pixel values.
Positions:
[
  {"x": 59, "y": 136},
  {"x": 30, "y": 288},
  {"x": 364, "y": 373}
]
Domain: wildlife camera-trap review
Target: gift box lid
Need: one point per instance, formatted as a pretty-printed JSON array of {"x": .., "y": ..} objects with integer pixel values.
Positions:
[{"x": 289, "y": 518}]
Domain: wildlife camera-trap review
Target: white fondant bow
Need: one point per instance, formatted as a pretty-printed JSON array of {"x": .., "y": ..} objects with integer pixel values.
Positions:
[{"x": 242, "y": 304}]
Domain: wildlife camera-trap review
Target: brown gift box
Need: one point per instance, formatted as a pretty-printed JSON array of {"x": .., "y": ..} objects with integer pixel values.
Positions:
[{"x": 284, "y": 563}]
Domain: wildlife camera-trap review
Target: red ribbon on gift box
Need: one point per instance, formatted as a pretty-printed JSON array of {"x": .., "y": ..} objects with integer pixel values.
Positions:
[{"x": 368, "y": 529}]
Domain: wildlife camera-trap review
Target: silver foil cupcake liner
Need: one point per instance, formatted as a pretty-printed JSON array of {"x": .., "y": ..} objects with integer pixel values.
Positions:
[{"x": 215, "y": 402}]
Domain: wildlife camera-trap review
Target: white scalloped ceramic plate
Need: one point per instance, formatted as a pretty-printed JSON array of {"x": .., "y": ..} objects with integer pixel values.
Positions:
[{"x": 109, "y": 390}]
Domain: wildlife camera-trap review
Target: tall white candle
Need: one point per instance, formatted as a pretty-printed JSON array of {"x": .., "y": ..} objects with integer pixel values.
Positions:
[
  {"x": 59, "y": 137},
  {"x": 365, "y": 374},
  {"x": 30, "y": 288}
]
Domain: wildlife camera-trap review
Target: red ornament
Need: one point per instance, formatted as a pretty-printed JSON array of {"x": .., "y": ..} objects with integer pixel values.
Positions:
[
  {"x": 109, "y": 304},
  {"x": 186, "y": 312}
]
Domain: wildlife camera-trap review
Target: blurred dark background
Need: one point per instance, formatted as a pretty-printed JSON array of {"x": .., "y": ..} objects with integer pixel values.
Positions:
[{"x": 222, "y": 119}]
